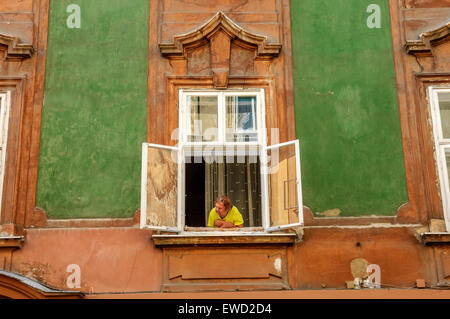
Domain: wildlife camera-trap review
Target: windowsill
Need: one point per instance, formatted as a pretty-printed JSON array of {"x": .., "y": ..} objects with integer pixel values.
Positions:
[
  {"x": 235, "y": 237},
  {"x": 435, "y": 238},
  {"x": 11, "y": 241}
]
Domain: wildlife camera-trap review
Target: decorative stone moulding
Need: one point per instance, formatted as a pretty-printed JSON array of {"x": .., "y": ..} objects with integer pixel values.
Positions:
[
  {"x": 219, "y": 33},
  {"x": 177, "y": 49},
  {"x": 428, "y": 40},
  {"x": 15, "y": 51}
]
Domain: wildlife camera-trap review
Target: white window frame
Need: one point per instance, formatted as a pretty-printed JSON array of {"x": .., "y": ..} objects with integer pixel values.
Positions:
[
  {"x": 266, "y": 213},
  {"x": 254, "y": 118},
  {"x": 441, "y": 144},
  {"x": 185, "y": 146},
  {"x": 5, "y": 105},
  {"x": 221, "y": 95}
]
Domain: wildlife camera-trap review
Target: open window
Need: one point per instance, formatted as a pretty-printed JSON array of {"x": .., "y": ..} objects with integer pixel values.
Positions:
[
  {"x": 440, "y": 113},
  {"x": 284, "y": 192},
  {"x": 221, "y": 150},
  {"x": 160, "y": 207}
]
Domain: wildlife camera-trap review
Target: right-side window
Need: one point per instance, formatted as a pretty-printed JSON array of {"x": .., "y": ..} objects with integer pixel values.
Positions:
[
  {"x": 5, "y": 98},
  {"x": 440, "y": 113}
]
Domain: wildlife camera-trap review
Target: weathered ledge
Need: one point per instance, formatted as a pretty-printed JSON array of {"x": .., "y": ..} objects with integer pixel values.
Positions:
[
  {"x": 235, "y": 238},
  {"x": 435, "y": 238}
]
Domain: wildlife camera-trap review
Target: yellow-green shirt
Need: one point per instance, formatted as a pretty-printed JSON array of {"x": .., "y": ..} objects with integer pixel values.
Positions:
[{"x": 233, "y": 216}]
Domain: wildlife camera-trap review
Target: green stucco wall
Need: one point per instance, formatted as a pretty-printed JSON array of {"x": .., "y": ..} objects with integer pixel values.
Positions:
[
  {"x": 346, "y": 108},
  {"x": 94, "y": 113}
]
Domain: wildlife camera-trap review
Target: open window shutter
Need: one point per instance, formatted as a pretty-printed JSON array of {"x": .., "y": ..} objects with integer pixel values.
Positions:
[
  {"x": 160, "y": 205},
  {"x": 283, "y": 183}
]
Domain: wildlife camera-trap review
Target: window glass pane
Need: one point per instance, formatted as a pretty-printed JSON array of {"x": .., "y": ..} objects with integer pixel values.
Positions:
[
  {"x": 241, "y": 119},
  {"x": 203, "y": 119},
  {"x": 283, "y": 199},
  {"x": 444, "y": 108}
]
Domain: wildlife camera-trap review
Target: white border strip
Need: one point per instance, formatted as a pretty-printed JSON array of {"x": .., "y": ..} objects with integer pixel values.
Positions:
[{"x": 4, "y": 124}]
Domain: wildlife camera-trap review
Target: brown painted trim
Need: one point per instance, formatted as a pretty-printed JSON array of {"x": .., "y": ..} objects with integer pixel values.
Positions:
[
  {"x": 428, "y": 40},
  {"x": 17, "y": 86},
  {"x": 435, "y": 238},
  {"x": 24, "y": 127},
  {"x": 41, "y": 8},
  {"x": 155, "y": 126},
  {"x": 426, "y": 142},
  {"x": 433, "y": 77},
  {"x": 288, "y": 81}
]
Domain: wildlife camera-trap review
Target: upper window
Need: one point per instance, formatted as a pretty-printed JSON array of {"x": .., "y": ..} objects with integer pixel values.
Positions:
[
  {"x": 440, "y": 113},
  {"x": 222, "y": 150},
  {"x": 221, "y": 117}
]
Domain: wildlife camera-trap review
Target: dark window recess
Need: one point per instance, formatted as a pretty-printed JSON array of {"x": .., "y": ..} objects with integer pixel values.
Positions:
[
  {"x": 239, "y": 179},
  {"x": 195, "y": 194}
]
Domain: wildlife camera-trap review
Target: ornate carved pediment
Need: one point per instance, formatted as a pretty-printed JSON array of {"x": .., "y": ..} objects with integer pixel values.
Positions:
[
  {"x": 177, "y": 49},
  {"x": 220, "y": 33},
  {"x": 15, "y": 51},
  {"x": 428, "y": 40}
]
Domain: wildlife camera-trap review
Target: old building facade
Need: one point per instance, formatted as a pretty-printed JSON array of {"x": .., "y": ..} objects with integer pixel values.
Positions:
[{"x": 325, "y": 122}]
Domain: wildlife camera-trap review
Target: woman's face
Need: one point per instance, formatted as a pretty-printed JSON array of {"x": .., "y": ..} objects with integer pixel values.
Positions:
[{"x": 220, "y": 209}]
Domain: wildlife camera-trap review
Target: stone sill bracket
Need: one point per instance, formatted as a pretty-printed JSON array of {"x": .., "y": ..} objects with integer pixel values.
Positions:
[{"x": 428, "y": 238}]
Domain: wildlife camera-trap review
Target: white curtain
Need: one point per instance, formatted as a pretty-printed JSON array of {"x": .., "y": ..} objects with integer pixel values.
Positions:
[{"x": 240, "y": 182}]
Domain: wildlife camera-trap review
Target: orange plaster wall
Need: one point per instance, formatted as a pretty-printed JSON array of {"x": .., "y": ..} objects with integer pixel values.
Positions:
[
  {"x": 323, "y": 258},
  {"x": 110, "y": 259},
  {"x": 124, "y": 259}
]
